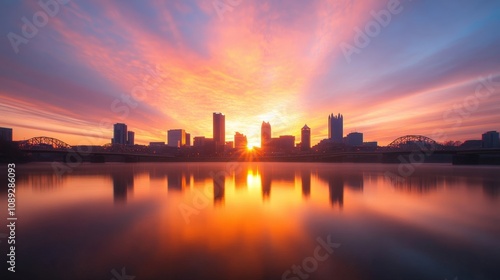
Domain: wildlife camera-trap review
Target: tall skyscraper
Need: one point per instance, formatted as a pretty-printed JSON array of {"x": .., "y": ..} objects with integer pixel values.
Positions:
[
  {"x": 6, "y": 134},
  {"x": 240, "y": 141},
  {"x": 176, "y": 138},
  {"x": 219, "y": 130},
  {"x": 265, "y": 134},
  {"x": 120, "y": 134},
  {"x": 305, "y": 139},
  {"x": 336, "y": 128},
  {"x": 131, "y": 138},
  {"x": 188, "y": 139}
]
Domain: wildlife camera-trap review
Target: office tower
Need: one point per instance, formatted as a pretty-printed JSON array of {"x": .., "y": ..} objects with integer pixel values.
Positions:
[
  {"x": 219, "y": 130},
  {"x": 131, "y": 138},
  {"x": 240, "y": 141},
  {"x": 354, "y": 139},
  {"x": 188, "y": 139},
  {"x": 491, "y": 140},
  {"x": 6, "y": 134},
  {"x": 199, "y": 141},
  {"x": 120, "y": 134},
  {"x": 336, "y": 128},
  {"x": 305, "y": 138},
  {"x": 265, "y": 134},
  {"x": 176, "y": 138}
]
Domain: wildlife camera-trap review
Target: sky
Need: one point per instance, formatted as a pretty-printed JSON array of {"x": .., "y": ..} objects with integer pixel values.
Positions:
[{"x": 70, "y": 69}]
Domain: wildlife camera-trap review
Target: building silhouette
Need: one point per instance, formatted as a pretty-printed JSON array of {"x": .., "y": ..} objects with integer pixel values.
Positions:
[
  {"x": 354, "y": 139},
  {"x": 119, "y": 134},
  {"x": 265, "y": 134},
  {"x": 176, "y": 138},
  {"x": 336, "y": 128},
  {"x": 491, "y": 140},
  {"x": 240, "y": 141},
  {"x": 188, "y": 139},
  {"x": 131, "y": 138},
  {"x": 6, "y": 134},
  {"x": 305, "y": 138},
  {"x": 219, "y": 131}
]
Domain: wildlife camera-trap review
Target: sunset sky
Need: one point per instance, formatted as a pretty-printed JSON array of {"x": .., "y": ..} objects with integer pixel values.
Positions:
[{"x": 160, "y": 65}]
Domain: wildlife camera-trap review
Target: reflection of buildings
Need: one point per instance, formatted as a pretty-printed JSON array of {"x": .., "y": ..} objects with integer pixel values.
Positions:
[
  {"x": 265, "y": 181},
  {"x": 336, "y": 188},
  {"x": 219, "y": 181},
  {"x": 240, "y": 179},
  {"x": 176, "y": 180},
  {"x": 122, "y": 184},
  {"x": 306, "y": 183},
  {"x": 340, "y": 180}
]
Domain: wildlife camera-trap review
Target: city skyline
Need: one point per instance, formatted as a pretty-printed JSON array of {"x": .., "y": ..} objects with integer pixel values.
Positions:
[{"x": 79, "y": 69}]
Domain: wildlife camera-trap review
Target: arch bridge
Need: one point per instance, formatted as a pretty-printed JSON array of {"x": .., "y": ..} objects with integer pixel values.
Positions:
[
  {"x": 413, "y": 142},
  {"x": 43, "y": 143}
]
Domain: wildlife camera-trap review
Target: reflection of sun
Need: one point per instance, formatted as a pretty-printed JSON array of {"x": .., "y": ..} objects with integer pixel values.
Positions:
[{"x": 253, "y": 180}]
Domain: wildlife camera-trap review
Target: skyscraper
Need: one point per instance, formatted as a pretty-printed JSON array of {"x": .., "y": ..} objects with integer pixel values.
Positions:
[
  {"x": 240, "y": 141},
  {"x": 120, "y": 134},
  {"x": 176, "y": 138},
  {"x": 265, "y": 134},
  {"x": 219, "y": 130},
  {"x": 305, "y": 139},
  {"x": 336, "y": 128},
  {"x": 131, "y": 138}
]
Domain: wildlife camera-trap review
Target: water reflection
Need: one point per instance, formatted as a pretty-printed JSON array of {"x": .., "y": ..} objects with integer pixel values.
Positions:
[
  {"x": 123, "y": 184},
  {"x": 256, "y": 221}
]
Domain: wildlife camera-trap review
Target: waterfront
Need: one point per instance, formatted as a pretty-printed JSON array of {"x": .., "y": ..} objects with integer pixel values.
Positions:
[{"x": 257, "y": 221}]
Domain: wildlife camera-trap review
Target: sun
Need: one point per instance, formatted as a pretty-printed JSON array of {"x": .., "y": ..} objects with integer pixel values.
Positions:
[{"x": 250, "y": 147}]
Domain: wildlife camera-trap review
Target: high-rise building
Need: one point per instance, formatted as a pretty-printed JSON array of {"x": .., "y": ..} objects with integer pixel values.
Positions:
[
  {"x": 199, "y": 141},
  {"x": 176, "y": 138},
  {"x": 354, "y": 139},
  {"x": 336, "y": 128},
  {"x": 265, "y": 134},
  {"x": 305, "y": 138},
  {"x": 6, "y": 134},
  {"x": 286, "y": 142},
  {"x": 219, "y": 130},
  {"x": 188, "y": 139},
  {"x": 240, "y": 141},
  {"x": 491, "y": 140},
  {"x": 120, "y": 134},
  {"x": 131, "y": 138}
]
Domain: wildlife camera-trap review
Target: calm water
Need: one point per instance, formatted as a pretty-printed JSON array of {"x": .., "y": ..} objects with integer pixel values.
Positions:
[{"x": 256, "y": 221}]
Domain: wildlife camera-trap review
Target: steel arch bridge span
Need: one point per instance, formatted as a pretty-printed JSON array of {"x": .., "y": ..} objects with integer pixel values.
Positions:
[
  {"x": 413, "y": 141},
  {"x": 43, "y": 143}
]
